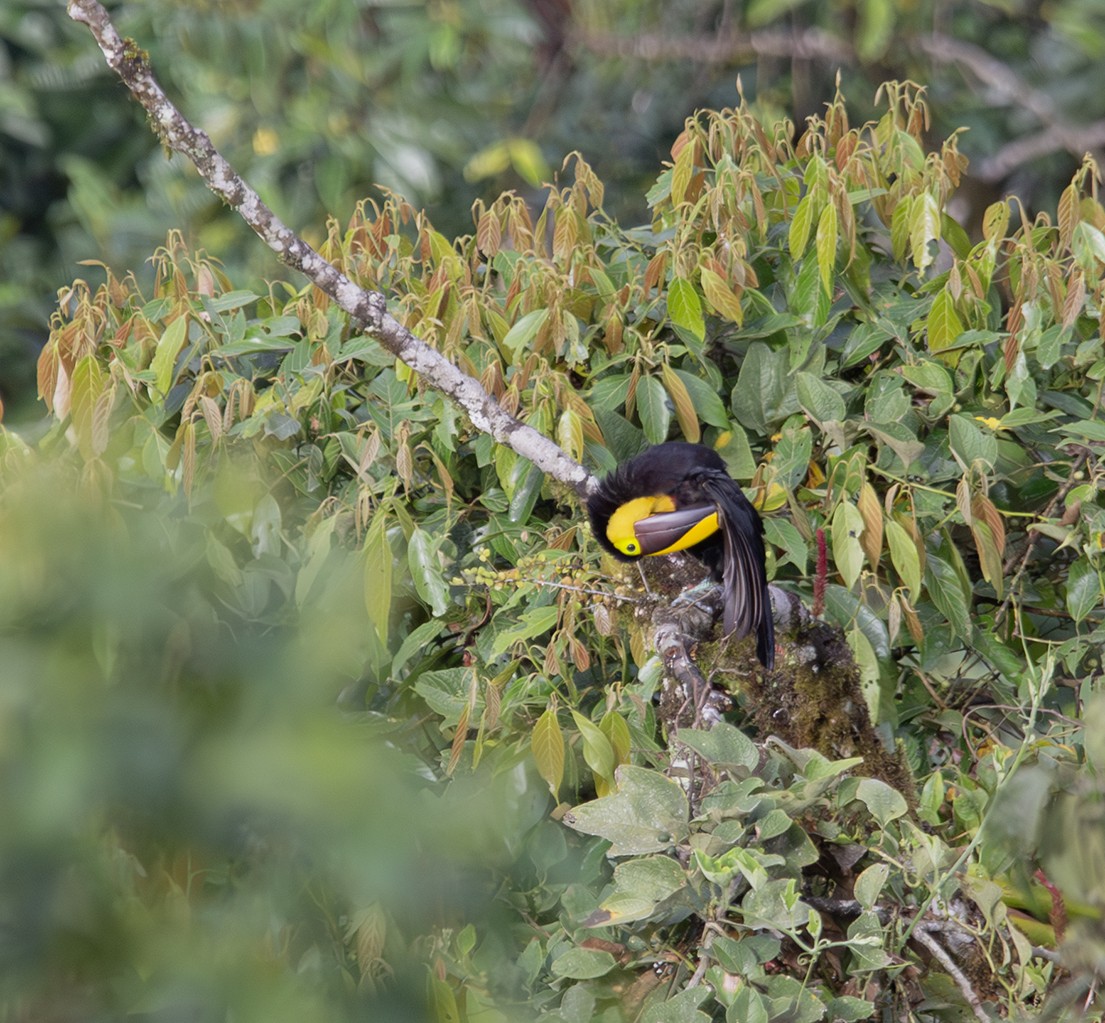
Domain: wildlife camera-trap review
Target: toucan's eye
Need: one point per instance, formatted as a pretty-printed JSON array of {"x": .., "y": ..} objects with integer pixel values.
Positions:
[{"x": 631, "y": 547}]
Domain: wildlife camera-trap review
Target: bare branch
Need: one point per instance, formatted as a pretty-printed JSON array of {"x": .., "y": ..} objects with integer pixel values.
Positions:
[
  {"x": 1005, "y": 86},
  {"x": 368, "y": 308},
  {"x": 923, "y": 935},
  {"x": 810, "y": 44},
  {"x": 1010, "y": 89}
]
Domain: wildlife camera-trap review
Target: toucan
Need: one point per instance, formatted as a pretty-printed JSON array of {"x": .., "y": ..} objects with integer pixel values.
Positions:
[{"x": 679, "y": 497}]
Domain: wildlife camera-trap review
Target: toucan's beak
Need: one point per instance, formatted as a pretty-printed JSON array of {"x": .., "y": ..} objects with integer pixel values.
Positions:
[{"x": 661, "y": 534}]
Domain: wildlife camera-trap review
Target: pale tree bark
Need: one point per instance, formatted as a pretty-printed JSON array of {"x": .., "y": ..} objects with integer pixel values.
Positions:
[{"x": 367, "y": 308}]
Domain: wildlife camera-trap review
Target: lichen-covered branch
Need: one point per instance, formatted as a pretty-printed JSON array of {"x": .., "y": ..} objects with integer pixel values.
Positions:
[{"x": 368, "y": 308}]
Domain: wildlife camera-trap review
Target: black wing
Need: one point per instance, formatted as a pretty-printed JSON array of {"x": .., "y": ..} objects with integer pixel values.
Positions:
[{"x": 744, "y": 577}]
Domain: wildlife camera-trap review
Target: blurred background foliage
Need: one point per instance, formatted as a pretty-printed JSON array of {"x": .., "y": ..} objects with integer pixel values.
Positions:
[{"x": 453, "y": 100}]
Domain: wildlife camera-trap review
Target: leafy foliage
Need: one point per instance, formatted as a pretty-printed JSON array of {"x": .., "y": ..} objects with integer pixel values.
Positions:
[
  {"x": 447, "y": 102},
  {"x": 299, "y": 519}
]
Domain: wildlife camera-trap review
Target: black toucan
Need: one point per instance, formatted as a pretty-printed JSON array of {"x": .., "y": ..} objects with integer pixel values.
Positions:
[{"x": 676, "y": 497}]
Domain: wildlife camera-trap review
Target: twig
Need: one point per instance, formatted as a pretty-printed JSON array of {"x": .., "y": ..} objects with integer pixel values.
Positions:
[
  {"x": 922, "y": 933},
  {"x": 718, "y": 49},
  {"x": 1011, "y": 89},
  {"x": 1076, "y": 141},
  {"x": 1005, "y": 86},
  {"x": 368, "y": 308}
]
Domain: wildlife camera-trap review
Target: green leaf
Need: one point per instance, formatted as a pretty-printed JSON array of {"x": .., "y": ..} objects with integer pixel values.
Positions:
[
  {"x": 899, "y": 226},
  {"x": 848, "y": 1008},
  {"x": 418, "y": 640},
  {"x": 582, "y": 964},
  {"x": 799, "y": 234},
  {"x": 820, "y": 401},
  {"x": 710, "y": 408},
  {"x": 653, "y": 409},
  {"x": 847, "y": 527},
  {"x": 531, "y": 623},
  {"x": 943, "y": 325},
  {"x": 680, "y": 1008},
  {"x": 168, "y": 348},
  {"x": 870, "y": 884},
  {"x": 547, "y": 744},
  {"x": 425, "y": 565},
  {"x": 685, "y": 308},
  {"x": 758, "y": 394},
  {"x": 885, "y": 803},
  {"x": 597, "y": 751},
  {"x": 1083, "y": 588},
  {"x": 904, "y": 556},
  {"x": 971, "y": 443},
  {"x": 924, "y": 229},
  {"x": 87, "y": 386},
  {"x": 444, "y": 1000},
  {"x": 826, "y": 246},
  {"x": 723, "y": 745},
  {"x": 945, "y": 588},
  {"x": 810, "y": 300},
  {"x": 647, "y": 814},
  {"x": 265, "y": 527},
  {"x": 377, "y": 575},
  {"x": 521, "y": 335},
  {"x": 1082, "y": 430},
  {"x": 793, "y": 453},
  {"x": 932, "y": 378},
  {"x": 640, "y": 885},
  {"x": 900, "y": 439},
  {"x": 615, "y": 728},
  {"x": 783, "y": 534},
  {"x": 527, "y": 491},
  {"x": 447, "y": 693},
  {"x": 317, "y": 553}
]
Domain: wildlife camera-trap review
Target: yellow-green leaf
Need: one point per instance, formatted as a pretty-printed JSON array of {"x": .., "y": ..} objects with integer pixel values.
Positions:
[
  {"x": 996, "y": 219},
  {"x": 871, "y": 511},
  {"x": 685, "y": 308},
  {"x": 547, "y": 744},
  {"x": 943, "y": 325},
  {"x": 569, "y": 433},
  {"x": 684, "y": 406},
  {"x": 903, "y": 555},
  {"x": 597, "y": 752},
  {"x": 924, "y": 228},
  {"x": 799, "y": 234},
  {"x": 847, "y": 528},
  {"x": 377, "y": 575},
  {"x": 826, "y": 245},
  {"x": 168, "y": 348},
  {"x": 88, "y": 385},
  {"x": 900, "y": 225},
  {"x": 988, "y": 555},
  {"x": 724, "y": 301},
  {"x": 615, "y": 729},
  {"x": 682, "y": 173}
]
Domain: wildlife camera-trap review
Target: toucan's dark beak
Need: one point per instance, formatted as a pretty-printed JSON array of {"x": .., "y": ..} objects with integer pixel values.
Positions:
[{"x": 658, "y": 532}]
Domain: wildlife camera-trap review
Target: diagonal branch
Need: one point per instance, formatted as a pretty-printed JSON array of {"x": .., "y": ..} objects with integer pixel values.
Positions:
[{"x": 368, "y": 308}]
